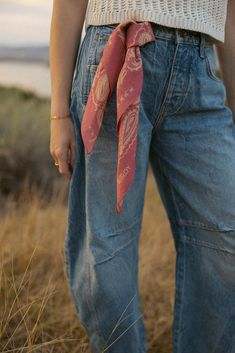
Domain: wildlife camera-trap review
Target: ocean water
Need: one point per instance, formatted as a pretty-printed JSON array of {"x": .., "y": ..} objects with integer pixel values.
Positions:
[
  {"x": 26, "y": 23},
  {"x": 26, "y": 75}
]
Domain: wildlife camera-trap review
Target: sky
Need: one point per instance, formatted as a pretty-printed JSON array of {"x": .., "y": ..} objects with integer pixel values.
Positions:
[{"x": 25, "y": 22}]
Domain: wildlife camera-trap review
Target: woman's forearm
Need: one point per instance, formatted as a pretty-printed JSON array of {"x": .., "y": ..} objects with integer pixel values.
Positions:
[
  {"x": 226, "y": 56},
  {"x": 65, "y": 35}
]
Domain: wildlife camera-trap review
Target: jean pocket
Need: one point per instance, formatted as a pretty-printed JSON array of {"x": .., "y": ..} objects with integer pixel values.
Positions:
[
  {"x": 87, "y": 82},
  {"x": 109, "y": 120},
  {"x": 98, "y": 43},
  {"x": 211, "y": 64}
]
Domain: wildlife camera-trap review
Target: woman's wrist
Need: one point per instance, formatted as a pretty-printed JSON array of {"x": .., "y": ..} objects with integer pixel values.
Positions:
[
  {"x": 60, "y": 109},
  {"x": 53, "y": 117}
]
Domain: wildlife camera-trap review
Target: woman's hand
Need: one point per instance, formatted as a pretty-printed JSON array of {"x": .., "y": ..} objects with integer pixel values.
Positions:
[
  {"x": 63, "y": 145},
  {"x": 65, "y": 35}
]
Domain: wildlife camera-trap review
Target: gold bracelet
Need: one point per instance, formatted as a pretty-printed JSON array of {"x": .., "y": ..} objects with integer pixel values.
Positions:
[{"x": 60, "y": 117}]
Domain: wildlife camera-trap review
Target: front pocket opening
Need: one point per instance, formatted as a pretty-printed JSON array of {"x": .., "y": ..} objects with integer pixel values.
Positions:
[{"x": 213, "y": 73}]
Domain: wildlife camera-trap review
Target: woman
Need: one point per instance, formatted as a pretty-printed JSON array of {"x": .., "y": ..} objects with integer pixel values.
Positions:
[{"x": 186, "y": 132}]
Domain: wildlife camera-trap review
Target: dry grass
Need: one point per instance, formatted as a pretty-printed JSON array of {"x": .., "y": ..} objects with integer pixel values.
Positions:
[
  {"x": 37, "y": 313},
  {"x": 24, "y": 142}
]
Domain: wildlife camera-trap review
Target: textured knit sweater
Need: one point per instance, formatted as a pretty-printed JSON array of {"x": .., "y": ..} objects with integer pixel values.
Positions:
[{"x": 207, "y": 16}]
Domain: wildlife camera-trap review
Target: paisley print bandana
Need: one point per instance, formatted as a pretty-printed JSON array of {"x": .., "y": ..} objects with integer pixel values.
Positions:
[{"x": 120, "y": 62}]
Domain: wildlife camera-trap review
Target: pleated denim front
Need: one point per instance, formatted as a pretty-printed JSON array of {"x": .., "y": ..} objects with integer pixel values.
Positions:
[{"x": 186, "y": 134}]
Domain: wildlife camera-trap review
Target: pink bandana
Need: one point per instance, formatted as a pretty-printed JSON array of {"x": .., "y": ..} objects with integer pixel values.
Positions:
[{"x": 121, "y": 62}]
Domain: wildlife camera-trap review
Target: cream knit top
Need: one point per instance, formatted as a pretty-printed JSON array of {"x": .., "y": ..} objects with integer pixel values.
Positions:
[{"x": 207, "y": 16}]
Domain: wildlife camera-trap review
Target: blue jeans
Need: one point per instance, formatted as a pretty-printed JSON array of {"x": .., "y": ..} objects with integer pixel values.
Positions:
[{"x": 186, "y": 134}]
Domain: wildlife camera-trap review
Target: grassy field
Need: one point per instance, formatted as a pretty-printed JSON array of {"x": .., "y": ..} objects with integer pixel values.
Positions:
[
  {"x": 25, "y": 161},
  {"x": 37, "y": 313}
]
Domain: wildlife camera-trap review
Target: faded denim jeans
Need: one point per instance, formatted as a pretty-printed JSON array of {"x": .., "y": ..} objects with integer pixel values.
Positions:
[{"x": 186, "y": 134}]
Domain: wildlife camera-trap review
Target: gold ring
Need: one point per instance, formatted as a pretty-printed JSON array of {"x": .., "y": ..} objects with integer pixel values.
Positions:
[{"x": 56, "y": 164}]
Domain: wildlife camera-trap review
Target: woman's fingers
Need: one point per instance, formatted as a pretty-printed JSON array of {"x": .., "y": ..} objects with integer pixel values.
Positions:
[
  {"x": 63, "y": 145},
  {"x": 62, "y": 158}
]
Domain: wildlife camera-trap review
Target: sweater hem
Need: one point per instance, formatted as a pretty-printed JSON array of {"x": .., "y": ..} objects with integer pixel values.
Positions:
[{"x": 162, "y": 19}]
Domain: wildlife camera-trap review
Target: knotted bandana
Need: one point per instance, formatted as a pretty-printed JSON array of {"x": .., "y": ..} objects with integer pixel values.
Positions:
[{"x": 120, "y": 62}]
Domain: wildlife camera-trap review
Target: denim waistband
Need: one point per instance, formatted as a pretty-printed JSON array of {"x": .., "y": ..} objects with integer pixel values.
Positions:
[
  {"x": 178, "y": 35},
  {"x": 181, "y": 35}
]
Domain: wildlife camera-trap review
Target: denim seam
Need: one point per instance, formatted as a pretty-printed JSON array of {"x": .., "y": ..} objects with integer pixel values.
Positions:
[
  {"x": 143, "y": 52},
  {"x": 122, "y": 247},
  {"x": 162, "y": 169},
  {"x": 90, "y": 304},
  {"x": 188, "y": 42},
  {"x": 119, "y": 231},
  {"x": 93, "y": 47},
  {"x": 156, "y": 104},
  {"x": 210, "y": 71},
  {"x": 180, "y": 104},
  {"x": 197, "y": 224},
  {"x": 88, "y": 275},
  {"x": 88, "y": 79},
  {"x": 192, "y": 240},
  {"x": 190, "y": 223},
  {"x": 66, "y": 258},
  {"x": 163, "y": 106},
  {"x": 77, "y": 63},
  {"x": 151, "y": 57},
  {"x": 180, "y": 302},
  {"x": 172, "y": 91},
  {"x": 116, "y": 252},
  {"x": 174, "y": 200},
  {"x": 88, "y": 73}
]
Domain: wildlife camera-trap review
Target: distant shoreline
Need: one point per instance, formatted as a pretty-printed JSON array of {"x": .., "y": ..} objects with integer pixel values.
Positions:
[
  {"x": 9, "y": 60},
  {"x": 38, "y": 54}
]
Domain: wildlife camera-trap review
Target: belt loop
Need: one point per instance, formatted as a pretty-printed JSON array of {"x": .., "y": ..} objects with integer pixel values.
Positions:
[
  {"x": 202, "y": 45},
  {"x": 177, "y": 36}
]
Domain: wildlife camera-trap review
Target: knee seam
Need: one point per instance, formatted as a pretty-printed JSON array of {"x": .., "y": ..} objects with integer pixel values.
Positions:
[
  {"x": 119, "y": 231},
  {"x": 197, "y": 242}
]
